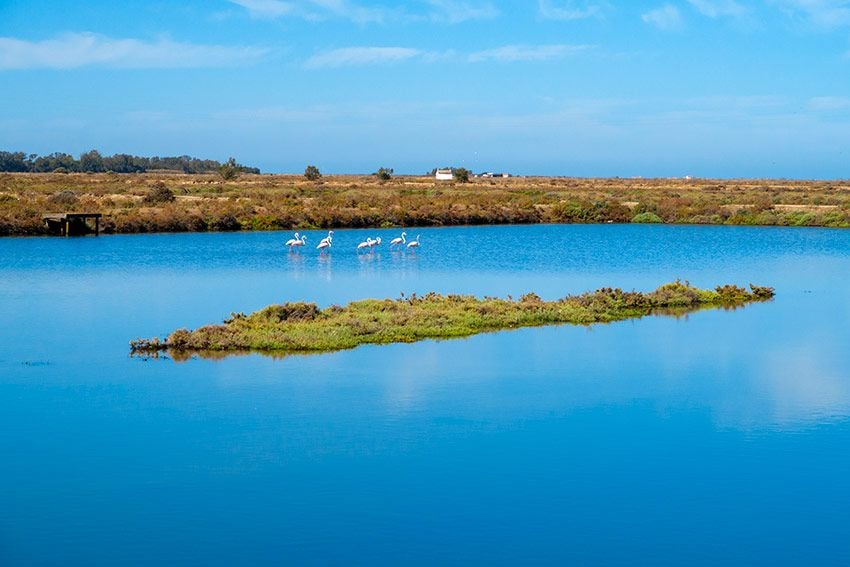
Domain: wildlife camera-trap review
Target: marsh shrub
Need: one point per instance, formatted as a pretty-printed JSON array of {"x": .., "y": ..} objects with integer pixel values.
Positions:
[
  {"x": 159, "y": 194},
  {"x": 225, "y": 223},
  {"x": 762, "y": 203},
  {"x": 766, "y": 218},
  {"x": 179, "y": 338},
  {"x": 731, "y": 293},
  {"x": 229, "y": 170},
  {"x": 675, "y": 294},
  {"x": 836, "y": 219},
  {"x": 647, "y": 218},
  {"x": 65, "y": 197},
  {"x": 762, "y": 292},
  {"x": 531, "y": 299},
  {"x": 384, "y": 174},
  {"x": 312, "y": 173},
  {"x": 570, "y": 212},
  {"x": 802, "y": 219},
  {"x": 297, "y": 311}
]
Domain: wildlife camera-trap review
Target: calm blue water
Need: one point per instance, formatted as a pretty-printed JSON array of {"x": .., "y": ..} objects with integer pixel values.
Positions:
[{"x": 721, "y": 437}]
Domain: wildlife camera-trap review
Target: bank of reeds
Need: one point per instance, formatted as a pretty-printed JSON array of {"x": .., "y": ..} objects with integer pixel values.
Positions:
[{"x": 303, "y": 327}]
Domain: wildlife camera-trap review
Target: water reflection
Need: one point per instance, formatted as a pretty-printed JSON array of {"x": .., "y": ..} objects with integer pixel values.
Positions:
[
  {"x": 325, "y": 265},
  {"x": 543, "y": 439}
]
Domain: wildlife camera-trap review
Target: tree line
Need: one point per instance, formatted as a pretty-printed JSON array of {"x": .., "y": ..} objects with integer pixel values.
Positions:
[{"x": 93, "y": 162}]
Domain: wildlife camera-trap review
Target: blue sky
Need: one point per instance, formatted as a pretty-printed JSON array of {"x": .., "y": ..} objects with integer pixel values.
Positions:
[{"x": 722, "y": 88}]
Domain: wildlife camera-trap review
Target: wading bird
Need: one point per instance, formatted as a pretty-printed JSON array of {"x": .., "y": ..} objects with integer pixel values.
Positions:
[
  {"x": 365, "y": 244},
  {"x": 376, "y": 242},
  {"x": 328, "y": 238},
  {"x": 295, "y": 242},
  {"x": 398, "y": 241},
  {"x": 325, "y": 244},
  {"x": 414, "y": 243}
]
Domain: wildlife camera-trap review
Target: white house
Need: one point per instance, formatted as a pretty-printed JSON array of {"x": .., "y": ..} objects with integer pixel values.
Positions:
[{"x": 444, "y": 175}]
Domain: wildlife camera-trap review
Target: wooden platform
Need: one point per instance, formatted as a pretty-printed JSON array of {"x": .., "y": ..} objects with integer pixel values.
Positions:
[{"x": 73, "y": 224}]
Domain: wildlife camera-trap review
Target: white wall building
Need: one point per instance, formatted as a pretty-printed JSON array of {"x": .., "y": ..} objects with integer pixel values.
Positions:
[{"x": 444, "y": 175}]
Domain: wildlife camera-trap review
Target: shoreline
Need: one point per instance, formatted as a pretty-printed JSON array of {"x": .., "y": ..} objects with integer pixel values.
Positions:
[{"x": 175, "y": 203}]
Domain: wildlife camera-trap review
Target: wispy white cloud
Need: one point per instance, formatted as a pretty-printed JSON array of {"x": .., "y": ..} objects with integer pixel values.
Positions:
[
  {"x": 568, "y": 9},
  {"x": 334, "y": 112},
  {"x": 455, "y": 12},
  {"x": 348, "y": 11},
  {"x": 515, "y": 53},
  {"x": 666, "y": 17},
  {"x": 313, "y": 10},
  {"x": 719, "y": 8},
  {"x": 825, "y": 13},
  {"x": 265, "y": 8},
  {"x": 438, "y": 11},
  {"x": 74, "y": 50},
  {"x": 361, "y": 56},
  {"x": 354, "y": 56},
  {"x": 829, "y": 103}
]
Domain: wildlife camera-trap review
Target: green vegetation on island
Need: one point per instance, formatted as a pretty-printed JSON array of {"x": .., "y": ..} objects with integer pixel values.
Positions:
[
  {"x": 141, "y": 202},
  {"x": 304, "y": 328}
]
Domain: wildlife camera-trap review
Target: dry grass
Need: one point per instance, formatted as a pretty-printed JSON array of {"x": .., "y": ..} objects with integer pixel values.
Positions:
[{"x": 270, "y": 202}]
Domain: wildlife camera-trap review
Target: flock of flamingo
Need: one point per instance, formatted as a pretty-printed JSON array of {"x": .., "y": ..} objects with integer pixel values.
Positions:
[{"x": 300, "y": 240}]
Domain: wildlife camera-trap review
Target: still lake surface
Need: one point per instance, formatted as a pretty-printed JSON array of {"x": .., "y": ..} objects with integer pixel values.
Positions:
[{"x": 722, "y": 436}]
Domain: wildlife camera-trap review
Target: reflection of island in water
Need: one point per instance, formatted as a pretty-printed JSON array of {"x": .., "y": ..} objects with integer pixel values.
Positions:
[{"x": 304, "y": 328}]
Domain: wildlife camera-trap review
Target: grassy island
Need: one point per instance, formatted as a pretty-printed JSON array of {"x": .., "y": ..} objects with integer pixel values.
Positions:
[{"x": 304, "y": 328}]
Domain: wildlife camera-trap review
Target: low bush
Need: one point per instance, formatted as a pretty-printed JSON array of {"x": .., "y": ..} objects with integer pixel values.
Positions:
[
  {"x": 158, "y": 195},
  {"x": 647, "y": 218}
]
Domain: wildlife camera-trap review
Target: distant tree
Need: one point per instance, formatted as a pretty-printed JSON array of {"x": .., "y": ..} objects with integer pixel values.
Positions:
[
  {"x": 94, "y": 162},
  {"x": 91, "y": 162},
  {"x": 54, "y": 162},
  {"x": 461, "y": 175},
  {"x": 312, "y": 173},
  {"x": 384, "y": 174},
  {"x": 122, "y": 163},
  {"x": 229, "y": 170},
  {"x": 13, "y": 161}
]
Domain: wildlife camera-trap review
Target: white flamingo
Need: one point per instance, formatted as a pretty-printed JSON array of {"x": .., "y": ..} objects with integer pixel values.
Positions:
[
  {"x": 295, "y": 242},
  {"x": 376, "y": 242},
  {"x": 365, "y": 244},
  {"x": 414, "y": 243},
  {"x": 399, "y": 241},
  {"x": 328, "y": 238},
  {"x": 325, "y": 244}
]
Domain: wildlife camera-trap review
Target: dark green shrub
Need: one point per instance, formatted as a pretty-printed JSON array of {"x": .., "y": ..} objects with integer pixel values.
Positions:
[
  {"x": 647, "y": 218},
  {"x": 229, "y": 170},
  {"x": 159, "y": 194},
  {"x": 298, "y": 311},
  {"x": 461, "y": 175},
  {"x": 225, "y": 223},
  {"x": 312, "y": 173},
  {"x": 762, "y": 292}
]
